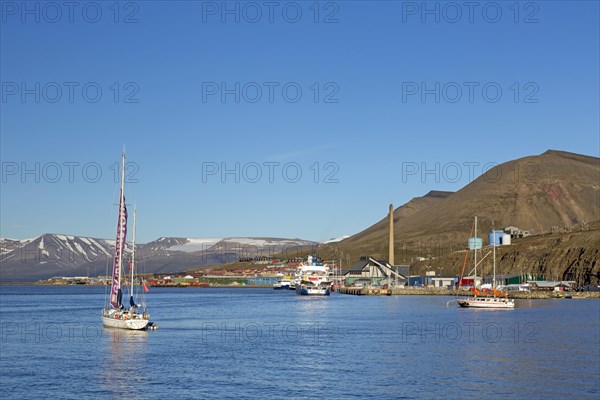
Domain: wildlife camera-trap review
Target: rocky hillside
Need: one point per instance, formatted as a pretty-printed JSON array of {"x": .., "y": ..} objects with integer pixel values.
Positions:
[
  {"x": 552, "y": 192},
  {"x": 373, "y": 240},
  {"x": 558, "y": 256}
]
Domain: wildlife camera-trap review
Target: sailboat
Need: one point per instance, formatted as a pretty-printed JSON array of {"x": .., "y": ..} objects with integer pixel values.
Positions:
[
  {"x": 115, "y": 314},
  {"x": 499, "y": 299}
]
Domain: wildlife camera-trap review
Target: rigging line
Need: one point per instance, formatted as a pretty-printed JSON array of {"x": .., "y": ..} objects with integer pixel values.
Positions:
[
  {"x": 466, "y": 258},
  {"x": 105, "y": 286}
]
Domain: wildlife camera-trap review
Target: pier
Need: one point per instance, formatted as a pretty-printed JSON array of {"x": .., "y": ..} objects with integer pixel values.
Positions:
[{"x": 366, "y": 291}]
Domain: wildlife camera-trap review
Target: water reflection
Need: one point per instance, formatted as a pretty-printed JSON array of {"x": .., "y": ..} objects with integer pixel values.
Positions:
[
  {"x": 124, "y": 371},
  {"x": 310, "y": 306},
  {"x": 252, "y": 343}
]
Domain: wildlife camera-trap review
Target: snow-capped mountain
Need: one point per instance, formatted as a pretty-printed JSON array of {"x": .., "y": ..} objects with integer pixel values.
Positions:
[
  {"x": 8, "y": 245},
  {"x": 335, "y": 240},
  {"x": 64, "y": 255},
  {"x": 54, "y": 254},
  {"x": 53, "y": 247},
  {"x": 260, "y": 247},
  {"x": 187, "y": 245}
]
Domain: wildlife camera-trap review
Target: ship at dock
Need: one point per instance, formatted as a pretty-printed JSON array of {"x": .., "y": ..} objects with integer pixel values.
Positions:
[{"x": 312, "y": 278}]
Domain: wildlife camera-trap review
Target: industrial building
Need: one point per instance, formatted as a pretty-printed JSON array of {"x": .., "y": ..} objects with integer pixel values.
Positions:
[
  {"x": 557, "y": 286},
  {"x": 515, "y": 232},
  {"x": 371, "y": 272}
]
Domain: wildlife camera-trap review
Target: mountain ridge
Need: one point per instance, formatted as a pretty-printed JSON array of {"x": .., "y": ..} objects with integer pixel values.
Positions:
[
  {"x": 551, "y": 192},
  {"x": 57, "y": 254}
]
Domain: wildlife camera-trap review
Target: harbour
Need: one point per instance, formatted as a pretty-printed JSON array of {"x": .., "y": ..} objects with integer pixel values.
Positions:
[
  {"x": 445, "y": 292},
  {"x": 305, "y": 200},
  {"x": 222, "y": 342}
]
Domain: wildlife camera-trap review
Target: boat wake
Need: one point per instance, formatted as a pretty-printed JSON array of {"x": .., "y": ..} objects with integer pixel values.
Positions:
[{"x": 450, "y": 301}]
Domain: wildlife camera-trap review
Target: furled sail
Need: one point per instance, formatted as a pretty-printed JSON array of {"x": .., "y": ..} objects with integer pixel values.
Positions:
[{"x": 115, "y": 301}]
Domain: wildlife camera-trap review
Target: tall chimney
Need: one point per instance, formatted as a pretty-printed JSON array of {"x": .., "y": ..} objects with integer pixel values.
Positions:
[{"x": 391, "y": 257}]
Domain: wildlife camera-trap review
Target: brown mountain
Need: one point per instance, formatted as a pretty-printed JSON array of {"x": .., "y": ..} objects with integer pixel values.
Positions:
[
  {"x": 571, "y": 255},
  {"x": 552, "y": 192},
  {"x": 373, "y": 239}
]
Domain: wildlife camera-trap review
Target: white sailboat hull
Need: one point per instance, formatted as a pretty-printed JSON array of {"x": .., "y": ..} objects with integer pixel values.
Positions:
[
  {"x": 483, "y": 302},
  {"x": 124, "y": 320},
  {"x": 133, "y": 324}
]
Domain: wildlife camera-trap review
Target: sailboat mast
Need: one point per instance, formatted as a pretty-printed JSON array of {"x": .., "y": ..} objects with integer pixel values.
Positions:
[
  {"x": 121, "y": 212},
  {"x": 494, "y": 249},
  {"x": 475, "y": 278},
  {"x": 133, "y": 252},
  {"x": 115, "y": 289}
]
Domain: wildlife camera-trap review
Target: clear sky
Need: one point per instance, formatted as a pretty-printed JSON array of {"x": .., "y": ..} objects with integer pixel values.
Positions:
[{"x": 359, "y": 97}]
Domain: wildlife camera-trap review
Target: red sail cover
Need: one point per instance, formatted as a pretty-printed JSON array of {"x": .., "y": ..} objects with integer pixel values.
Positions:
[{"x": 119, "y": 248}]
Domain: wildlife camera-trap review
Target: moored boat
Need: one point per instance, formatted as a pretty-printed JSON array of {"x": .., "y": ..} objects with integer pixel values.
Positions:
[
  {"x": 313, "y": 278},
  {"x": 499, "y": 300},
  {"x": 486, "y": 302},
  {"x": 282, "y": 284}
]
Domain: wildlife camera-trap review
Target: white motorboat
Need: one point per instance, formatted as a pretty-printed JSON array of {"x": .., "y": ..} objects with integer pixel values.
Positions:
[
  {"x": 313, "y": 278},
  {"x": 282, "y": 284}
]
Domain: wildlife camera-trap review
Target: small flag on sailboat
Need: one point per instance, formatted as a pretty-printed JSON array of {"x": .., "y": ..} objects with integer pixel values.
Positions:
[
  {"x": 145, "y": 287},
  {"x": 130, "y": 265}
]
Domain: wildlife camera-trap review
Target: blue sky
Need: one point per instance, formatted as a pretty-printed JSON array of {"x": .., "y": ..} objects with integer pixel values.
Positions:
[{"x": 190, "y": 90}]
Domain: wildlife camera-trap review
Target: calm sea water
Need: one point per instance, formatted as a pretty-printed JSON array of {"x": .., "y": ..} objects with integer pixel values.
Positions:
[{"x": 261, "y": 343}]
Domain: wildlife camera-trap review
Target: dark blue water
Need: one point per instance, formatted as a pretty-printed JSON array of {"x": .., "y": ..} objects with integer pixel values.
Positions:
[{"x": 261, "y": 343}]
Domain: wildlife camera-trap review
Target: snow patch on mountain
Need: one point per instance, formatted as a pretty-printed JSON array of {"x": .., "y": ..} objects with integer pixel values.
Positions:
[
  {"x": 262, "y": 242},
  {"x": 335, "y": 240},
  {"x": 195, "y": 244}
]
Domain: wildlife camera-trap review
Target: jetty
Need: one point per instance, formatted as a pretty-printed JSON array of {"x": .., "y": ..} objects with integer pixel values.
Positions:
[{"x": 409, "y": 291}]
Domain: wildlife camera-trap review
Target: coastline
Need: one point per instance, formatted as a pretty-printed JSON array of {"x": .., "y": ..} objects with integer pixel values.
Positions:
[
  {"x": 44, "y": 283},
  {"x": 533, "y": 295}
]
